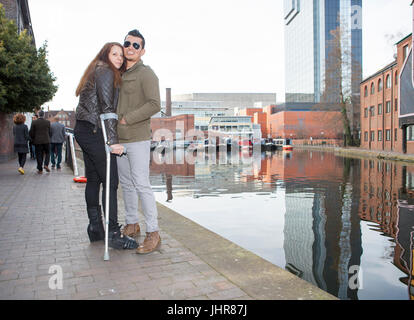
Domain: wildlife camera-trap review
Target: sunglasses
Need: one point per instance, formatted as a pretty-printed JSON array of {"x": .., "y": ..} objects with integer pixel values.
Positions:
[{"x": 135, "y": 45}]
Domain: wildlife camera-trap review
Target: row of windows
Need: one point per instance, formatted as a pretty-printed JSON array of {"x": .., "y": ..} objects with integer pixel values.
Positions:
[
  {"x": 380, "y": 85},
  {"x": 409, "y": 135},
  {"x": 380, "y": 135},
  {"x": 380, "y": 109},
  {"x": 380, "y": 165}
]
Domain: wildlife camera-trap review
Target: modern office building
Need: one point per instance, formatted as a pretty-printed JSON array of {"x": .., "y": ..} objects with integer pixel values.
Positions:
[
  {"x": 230, "y": 100},
  {"x": 201, "y": 110},
  {"x": 308, "y": 46},
  {"x": 206, "y": 105},
  {"x": 232, "y": 126}
]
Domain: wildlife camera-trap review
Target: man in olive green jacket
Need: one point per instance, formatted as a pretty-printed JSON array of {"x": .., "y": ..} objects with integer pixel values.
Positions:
[{"x": 139, "y": 99}]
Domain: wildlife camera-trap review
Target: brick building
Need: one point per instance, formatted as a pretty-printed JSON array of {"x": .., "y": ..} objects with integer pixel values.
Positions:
[
  {"x": 67, "y": 118},
  {"x": 296, "y": 121},
  {"x": 380, "y": 127},
  {"x": 18, "y": 11},
  {"x": 171, "y": 128},
  {"x": 386, "y": 201},
  {"x": 305, "y": 124}
]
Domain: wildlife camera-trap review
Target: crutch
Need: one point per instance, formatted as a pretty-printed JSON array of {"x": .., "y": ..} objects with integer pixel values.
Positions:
[{"x": 107, "y": 116}]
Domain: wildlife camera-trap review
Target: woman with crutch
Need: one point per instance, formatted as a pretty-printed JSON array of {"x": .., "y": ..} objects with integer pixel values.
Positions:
[{"x": 98, "y": 94}]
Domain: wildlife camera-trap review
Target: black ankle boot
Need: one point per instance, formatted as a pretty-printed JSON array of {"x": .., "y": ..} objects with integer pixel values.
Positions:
[
  {"x": 117, "y": 240},
  {"x": 95, "y": 228}
]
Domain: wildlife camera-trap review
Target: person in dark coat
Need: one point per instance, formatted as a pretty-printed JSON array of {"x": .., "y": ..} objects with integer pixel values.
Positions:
[
  {"x": 31, "y": 145},
  {"x": 40, "y": 135},
  {"x": 21, "y": 138}
]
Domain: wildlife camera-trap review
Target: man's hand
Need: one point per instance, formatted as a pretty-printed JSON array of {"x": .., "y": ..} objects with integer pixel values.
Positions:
[
  {"x": 117, "y": 149},
  {"x": 122, "y": 121}
]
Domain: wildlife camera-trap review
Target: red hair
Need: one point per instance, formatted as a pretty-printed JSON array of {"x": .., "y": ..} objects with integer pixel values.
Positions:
[
  {"x": 102, "y": 56},
  {"x": 19, "y": 118}
]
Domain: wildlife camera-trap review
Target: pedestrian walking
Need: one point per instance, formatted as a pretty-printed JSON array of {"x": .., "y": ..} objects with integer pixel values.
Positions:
[
  {"x": 98, "y": 94},
  {"x": 139, "y": 100},
  {"x": 57, "y": 138},
  {"x": 21, "y": 139},
  {"x": 31, "y": 145},
  {"x": 40, "y": 135}
]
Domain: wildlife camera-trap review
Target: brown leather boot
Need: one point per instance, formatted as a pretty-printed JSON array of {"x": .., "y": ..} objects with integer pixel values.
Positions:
[
  {"x": 131, "y": 230},
  {"x": 151, "y": 243}
]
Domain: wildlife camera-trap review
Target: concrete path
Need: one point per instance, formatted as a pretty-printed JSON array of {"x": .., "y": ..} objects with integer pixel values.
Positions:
[{"x": 43, "y": 229}]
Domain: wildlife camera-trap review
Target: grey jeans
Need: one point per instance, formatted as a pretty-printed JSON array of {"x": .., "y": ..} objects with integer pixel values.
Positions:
[{"x": 133, "y": 170}]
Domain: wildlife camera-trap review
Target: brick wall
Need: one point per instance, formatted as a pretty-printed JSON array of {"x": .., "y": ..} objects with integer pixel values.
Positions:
[
  {"x": 305, "y": 124},
  {"x": 10, "y": 7},
  {"x": 170, "y": 123},
  {"x": 378, "y": 122}
]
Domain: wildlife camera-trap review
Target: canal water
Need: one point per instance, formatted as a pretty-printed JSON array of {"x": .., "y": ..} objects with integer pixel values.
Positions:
[{"x": 344, "y": 224}]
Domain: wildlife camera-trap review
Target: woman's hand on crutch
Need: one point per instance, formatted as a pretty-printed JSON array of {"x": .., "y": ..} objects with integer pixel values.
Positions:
[{"x": 117, "y": 149}]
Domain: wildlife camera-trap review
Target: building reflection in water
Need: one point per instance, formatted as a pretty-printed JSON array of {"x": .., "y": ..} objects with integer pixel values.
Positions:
[
  {"x": 388, "y": 202},
  {"x": 322, "y": 236},
  {"x": 327, "y": 198},
  {"x": 168, "y": 165}
]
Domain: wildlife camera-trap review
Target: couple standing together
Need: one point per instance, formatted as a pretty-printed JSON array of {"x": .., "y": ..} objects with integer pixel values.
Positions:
[{"x": 117, "y": 83}]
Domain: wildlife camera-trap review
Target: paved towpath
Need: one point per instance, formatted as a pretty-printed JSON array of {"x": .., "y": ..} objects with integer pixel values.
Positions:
[{"x": 43, "y": 225}]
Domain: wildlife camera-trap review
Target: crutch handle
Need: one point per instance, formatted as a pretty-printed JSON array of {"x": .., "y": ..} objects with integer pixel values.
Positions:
[{"x": 109, "y": 150}]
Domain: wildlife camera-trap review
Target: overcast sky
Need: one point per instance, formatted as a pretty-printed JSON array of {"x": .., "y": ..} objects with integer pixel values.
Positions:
[{"x": 196, "y": 45}]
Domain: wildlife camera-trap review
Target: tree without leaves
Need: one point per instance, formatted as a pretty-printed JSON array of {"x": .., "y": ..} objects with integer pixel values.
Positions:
[
  {"x": 342, "y": 83},
  {"x": 26, "y": 81}
]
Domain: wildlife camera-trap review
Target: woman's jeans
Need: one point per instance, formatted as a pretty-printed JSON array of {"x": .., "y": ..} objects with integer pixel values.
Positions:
[{"x": 91, "y": 141}]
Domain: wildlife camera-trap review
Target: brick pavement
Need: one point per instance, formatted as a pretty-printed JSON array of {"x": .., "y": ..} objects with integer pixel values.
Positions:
[{"x": 43, "y": 223}]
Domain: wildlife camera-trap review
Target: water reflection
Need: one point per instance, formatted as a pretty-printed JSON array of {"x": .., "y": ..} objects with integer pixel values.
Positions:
[{"x": 345, "y": 225}]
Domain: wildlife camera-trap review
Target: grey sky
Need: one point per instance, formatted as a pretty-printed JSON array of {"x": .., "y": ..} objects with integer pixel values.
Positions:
[{"x": 196, "y": 45}]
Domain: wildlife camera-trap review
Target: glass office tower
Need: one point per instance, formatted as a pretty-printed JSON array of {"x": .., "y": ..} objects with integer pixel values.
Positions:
[{"x": 308, "y": 41}]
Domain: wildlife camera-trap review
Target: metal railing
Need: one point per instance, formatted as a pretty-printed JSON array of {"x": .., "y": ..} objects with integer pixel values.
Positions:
[{"x": 70, "y": 156}]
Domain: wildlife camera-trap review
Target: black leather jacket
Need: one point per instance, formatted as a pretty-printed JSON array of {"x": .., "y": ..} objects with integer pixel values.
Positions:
[{"x": 99, "y": 97}]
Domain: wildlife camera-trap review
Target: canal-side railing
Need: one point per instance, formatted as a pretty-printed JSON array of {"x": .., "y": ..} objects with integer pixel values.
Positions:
[{"x": 70, "y": 155}]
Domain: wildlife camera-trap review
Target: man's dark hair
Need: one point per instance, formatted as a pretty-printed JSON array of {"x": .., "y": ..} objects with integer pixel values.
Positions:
[
  {"x": 136, "y": 33},
  {"x": 41, "y": 114}
]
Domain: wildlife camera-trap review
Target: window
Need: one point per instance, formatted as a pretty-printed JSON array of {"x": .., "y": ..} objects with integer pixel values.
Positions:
[
  {"x": 388, "y": 107},
  {"x": 366, "y": 91},
  {"x": 366, "y": 112},
  {"x": 372, "y": 111},
  {"x": 366, "y": 136},
  {"x": 388, "y": 135},
  {"x": 379, "y": 135},
  {"x": 372, "y": 135},
  {"x": 380, "y": 108},
  {"x": 388, "y": 82},
  {"x": 372, "y": 88},
  {"x": 410, "y": 133},
  {"x": 396, "y": 104},
  {"x": 405, "y": 51},
  {"x": 379, "y": 85},
  {"x": 396, "y": 78},
  {"x": 395, "y": 134}
]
